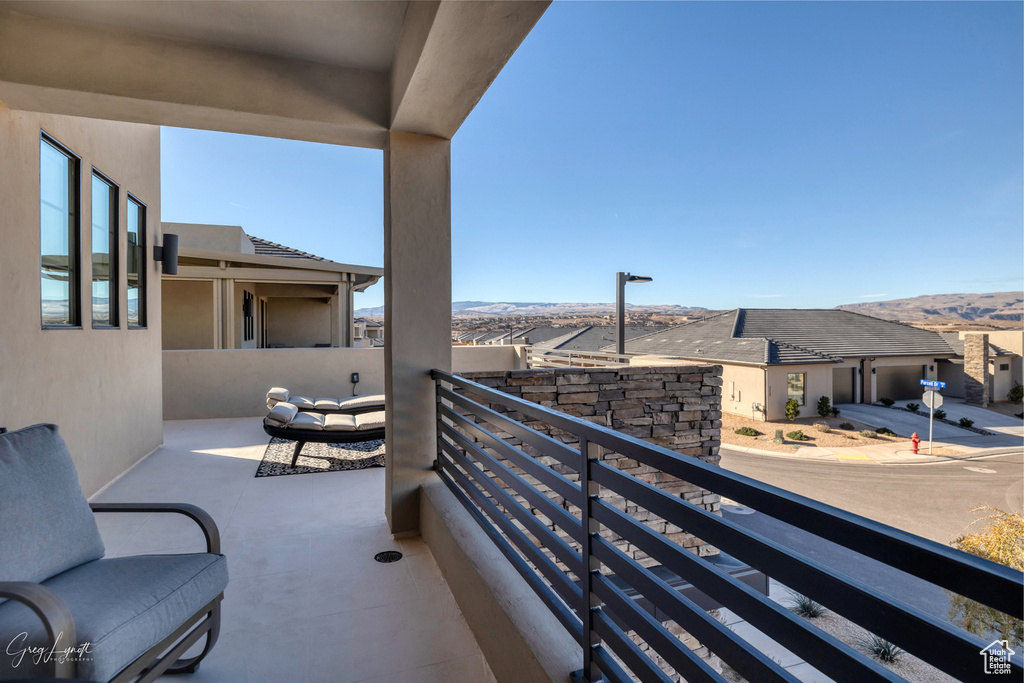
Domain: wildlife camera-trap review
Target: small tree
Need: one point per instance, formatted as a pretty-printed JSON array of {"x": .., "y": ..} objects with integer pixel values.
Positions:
[
  {"x": 1016, "y": 393},
  {"x": 792, "y": 409},
  {"x": 1002, "y": 541},
  {"x": 824, "y": 406}
]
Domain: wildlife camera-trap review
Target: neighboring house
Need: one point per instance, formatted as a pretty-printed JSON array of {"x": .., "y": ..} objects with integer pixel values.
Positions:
[
  {"x": 771, "y": 355},
  {"x": 236, "y": 291},
  {"x": 1004, "y": 365},
  {"x": 367, "y": 333},
  {"x": 593, "y": 338}
]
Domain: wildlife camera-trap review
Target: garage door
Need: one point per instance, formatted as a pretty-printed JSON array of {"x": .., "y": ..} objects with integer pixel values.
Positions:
[
  {"x": 900, "y": 382},
  {"x": 842, "y": 385}
]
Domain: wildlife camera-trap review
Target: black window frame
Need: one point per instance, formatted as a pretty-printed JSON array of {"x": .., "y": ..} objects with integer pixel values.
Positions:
[
  {"x": 248, "y": 316},
  {"x": 115, "y": 255},
  {"x": 143, "y": 322},
  {"x": 802, "y": 401},
  {"x": 74, "y": 236}
]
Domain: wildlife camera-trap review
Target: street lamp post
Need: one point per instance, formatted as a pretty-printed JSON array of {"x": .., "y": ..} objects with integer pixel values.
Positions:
[{"x": 620, "y": 307}]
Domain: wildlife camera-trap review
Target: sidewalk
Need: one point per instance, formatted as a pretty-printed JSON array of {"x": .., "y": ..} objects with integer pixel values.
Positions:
[{"x": 900, "y": 452}]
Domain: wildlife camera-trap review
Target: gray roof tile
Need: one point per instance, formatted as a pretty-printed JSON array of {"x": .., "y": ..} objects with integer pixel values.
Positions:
[{"x": 267, "y": 248}]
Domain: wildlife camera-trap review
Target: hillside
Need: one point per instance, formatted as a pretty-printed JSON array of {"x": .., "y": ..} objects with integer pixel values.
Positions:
[
  {"x": 999, "y": 309},
  {"x": 482, "y": 309}
]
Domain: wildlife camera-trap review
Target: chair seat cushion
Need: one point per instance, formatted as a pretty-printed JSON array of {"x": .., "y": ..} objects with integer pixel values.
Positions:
[
  {"x": 326, "y": 404},
  {"x": 346, "y": 422},
  {"x": 276, "y": 395},
  {"x": 281, "y": 414},
  {"x": 302, "y": 402},
  {"x": 374, "y": 420},
  {"x": 356, "y": 402},
  {"x": 303, "y": 420},
  {"x": 121, "y": 606}
]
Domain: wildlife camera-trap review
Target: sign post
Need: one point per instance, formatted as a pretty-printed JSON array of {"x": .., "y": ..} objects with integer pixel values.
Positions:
[{"x": 933, "y": 399}]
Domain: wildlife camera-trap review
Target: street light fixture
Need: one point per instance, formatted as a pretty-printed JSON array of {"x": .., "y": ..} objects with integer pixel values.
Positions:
[{"x": 620, "y": 307}]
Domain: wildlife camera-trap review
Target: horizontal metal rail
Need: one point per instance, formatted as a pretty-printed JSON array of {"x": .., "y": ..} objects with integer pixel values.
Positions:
[
  {"x": 558, "y": 358},
  {"x": 606, "y": 617}
]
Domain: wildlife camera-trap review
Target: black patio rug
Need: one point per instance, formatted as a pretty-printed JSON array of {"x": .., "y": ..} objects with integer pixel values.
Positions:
[{"x": 320, "y": 457}]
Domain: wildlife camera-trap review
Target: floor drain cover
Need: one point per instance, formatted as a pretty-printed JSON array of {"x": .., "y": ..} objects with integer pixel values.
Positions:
[{"x": 388, "y": 556}]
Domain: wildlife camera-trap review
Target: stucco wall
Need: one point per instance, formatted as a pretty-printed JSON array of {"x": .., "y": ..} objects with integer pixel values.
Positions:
[
  {"x": 298, "y": 322},
  {"x": 233, "y": 382},
  {"x": 742, "y": 386},
  {"x": 101, "y": 387},
  {"x": 187, "y": 314},
  {"x": 817, "y": 383}
]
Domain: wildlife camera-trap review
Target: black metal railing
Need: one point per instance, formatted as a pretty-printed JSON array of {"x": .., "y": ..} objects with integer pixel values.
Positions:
[{"x": 521, "y": 486}]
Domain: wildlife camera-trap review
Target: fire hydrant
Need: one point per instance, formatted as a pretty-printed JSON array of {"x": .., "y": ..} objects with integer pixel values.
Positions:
[{"x": 914, "y": 440}]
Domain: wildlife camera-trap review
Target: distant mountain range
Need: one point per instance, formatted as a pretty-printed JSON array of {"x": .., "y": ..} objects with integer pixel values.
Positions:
[{"x": 997, "y": 308}]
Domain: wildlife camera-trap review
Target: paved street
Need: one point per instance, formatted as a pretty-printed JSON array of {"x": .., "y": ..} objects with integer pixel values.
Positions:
[{"x": 931, "y": 500}]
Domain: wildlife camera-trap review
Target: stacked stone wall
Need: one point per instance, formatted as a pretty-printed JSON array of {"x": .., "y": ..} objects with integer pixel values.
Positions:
[{"x": 976, "y": 375}]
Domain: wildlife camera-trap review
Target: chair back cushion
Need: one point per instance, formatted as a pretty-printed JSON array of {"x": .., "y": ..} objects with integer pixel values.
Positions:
[{"x": 46, "y": 526}]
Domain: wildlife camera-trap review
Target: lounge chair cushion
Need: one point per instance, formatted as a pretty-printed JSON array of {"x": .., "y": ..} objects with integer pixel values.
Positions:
[
  {"x": 354, "y": 402},
  {"x": 304, "y": 420},
  {"x": 345, "y": 422},
  {"x": 122, "y": 606},
  {"x": 281, "y": 414},
  {"x": 47, "y": 524},
  {"x": 326, "y": 404},
  {"x": 302, "y": 402},
  {"x": 276, "y": 395}
]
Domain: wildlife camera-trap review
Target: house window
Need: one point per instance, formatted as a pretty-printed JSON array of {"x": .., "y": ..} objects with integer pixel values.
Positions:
[
  {"x": 104, "y": 252},
  {"x": 795, "y": 387},
  {"x": 136, "y": 259},
  {"x": 1004, "y": 366},
  {"x": 248, "y": 317},
  {"x": 58, "y": 235}
]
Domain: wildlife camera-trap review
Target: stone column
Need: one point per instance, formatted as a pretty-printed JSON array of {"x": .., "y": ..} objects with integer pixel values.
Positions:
[
  {"x": 417, "y": 311},
  {"x": 976, "y": 377}
]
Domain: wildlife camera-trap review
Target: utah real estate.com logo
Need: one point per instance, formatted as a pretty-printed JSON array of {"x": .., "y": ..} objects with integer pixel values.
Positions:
[{"x": 997, "y": 657}]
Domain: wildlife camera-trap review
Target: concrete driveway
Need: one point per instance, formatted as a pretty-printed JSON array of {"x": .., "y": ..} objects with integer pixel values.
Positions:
[
  {"x": 983, "y": 419},
  {"x": 902, "y": 422}
]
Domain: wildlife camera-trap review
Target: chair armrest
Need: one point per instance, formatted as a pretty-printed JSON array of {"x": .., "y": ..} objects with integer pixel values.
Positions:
[
  {"x": 193, "y": 512},
  {"x": 55, "y": 615}
]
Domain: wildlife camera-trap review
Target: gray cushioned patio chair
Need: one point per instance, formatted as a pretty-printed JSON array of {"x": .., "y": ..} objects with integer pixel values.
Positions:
[
  {"x": 139, "y": 615},
  {"x": 286, "y": 421}
]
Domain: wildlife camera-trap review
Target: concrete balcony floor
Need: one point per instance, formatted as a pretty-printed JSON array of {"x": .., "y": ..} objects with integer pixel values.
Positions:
[{"x": 306, "y": 601}]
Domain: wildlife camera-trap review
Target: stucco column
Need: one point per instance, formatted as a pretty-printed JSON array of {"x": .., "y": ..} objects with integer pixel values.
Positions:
[
  {"x": 336, "y": 320},
  {"x": 417, "y": 311}
]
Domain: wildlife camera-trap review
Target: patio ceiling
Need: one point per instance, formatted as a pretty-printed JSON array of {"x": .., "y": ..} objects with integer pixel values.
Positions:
[{"x": 336, "y": 72}]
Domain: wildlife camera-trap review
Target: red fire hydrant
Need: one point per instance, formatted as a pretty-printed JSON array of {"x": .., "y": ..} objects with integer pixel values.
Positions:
[{"x": 914, "y": 440}]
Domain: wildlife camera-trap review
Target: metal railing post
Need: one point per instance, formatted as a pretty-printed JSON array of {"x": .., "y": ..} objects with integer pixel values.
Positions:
[{"x": 589, "y": 452}]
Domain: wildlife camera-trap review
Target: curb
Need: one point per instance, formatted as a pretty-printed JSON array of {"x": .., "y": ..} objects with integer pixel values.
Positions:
[{"x": 926, "y": 460}]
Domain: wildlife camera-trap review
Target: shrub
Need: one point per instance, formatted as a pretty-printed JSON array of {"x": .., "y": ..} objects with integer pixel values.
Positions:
[
  {"x": 886, "y": 402},
  {"x": 806, "y": 607},
  {"x": 868, "y": 434},
  {"x": 835, "y": 412},
  {"x": 881, "y": 649},
  {"x": 822, "y": 427},
  {"x": 1016, "y": 393},
  {"x": 913, "y": 406},
  {"x": 964, "y": 422},
  {"x": 824, "y": 406},
  {"x": 1002, "y": 541},
  {"x": 797, "y": 436},
  {"x": 748, "y": 431},
  {"x": 847, "y": 426},
  {"x": 792, "y": 409},
  {"x": 940, "y": 414},
  {"x": 885, "y": 431}
]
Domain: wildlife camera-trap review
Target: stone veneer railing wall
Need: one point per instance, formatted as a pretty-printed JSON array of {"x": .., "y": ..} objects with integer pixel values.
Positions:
[{"x": 677, "y": 407}]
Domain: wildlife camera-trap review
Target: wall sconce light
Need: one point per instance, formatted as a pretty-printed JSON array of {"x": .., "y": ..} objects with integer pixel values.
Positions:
[
  {"x": 167, "y": 254},
  {"x": 931, "y": 368},
  {"x": 873, "y": 370}
]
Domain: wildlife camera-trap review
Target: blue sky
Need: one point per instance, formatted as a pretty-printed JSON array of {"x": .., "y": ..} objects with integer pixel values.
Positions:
[{"x": 743, "y": 154}]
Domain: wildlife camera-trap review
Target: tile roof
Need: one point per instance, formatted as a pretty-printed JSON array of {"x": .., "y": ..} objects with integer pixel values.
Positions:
[
  {"x": 267, "y": 248},
  {"x": 594, "y": 338},
  {"x": 789, "y": 337},
  {"x": 957, "y": 344}
]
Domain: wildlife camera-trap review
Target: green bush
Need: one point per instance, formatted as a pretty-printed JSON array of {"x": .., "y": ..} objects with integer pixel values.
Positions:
[
  {"x": 885, "y": 431},
  {"x": 868, "y": 434},
  {"x": 792, "y": 409},
  {"x": 940, "y": 414},
  {"x": 886, "y": 402},
  {"x": 797, "y": 436},
  {"x": 847, "y": 426},
  {"x": 822, "y": 427},
  {"x": 748, "y": 431},
  {"x": 881, "y": 649},
  {"x": 964, "y": 422},
  {"x": 805, "y": 606},
  {"x": 913, "y": 406},
  {"x": 824, "y": 406},
  {"x": 1016, "y": 393},
  {"x": 835, "y": 412}
]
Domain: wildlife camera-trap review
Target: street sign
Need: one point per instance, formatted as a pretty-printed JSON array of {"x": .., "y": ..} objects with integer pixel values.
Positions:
[
  {"x": 932, "y": 399},
  {"x": 933, "y": 383}
]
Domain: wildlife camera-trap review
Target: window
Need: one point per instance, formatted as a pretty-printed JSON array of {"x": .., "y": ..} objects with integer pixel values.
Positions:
[
  {"x": 248, "y": 317},
  {"x": 1004, "y": 366},
  {"x": 58, "y": 235},
  {"x": 795, "y": 387},
  {"x": 104, "y": 252},
  {"x": 136, "y": 258}
]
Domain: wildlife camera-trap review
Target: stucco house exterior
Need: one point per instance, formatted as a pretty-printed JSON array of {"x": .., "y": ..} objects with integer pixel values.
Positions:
[
  {"x": 236, "y": 291},
  {"x": 771, "y": 355}
]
